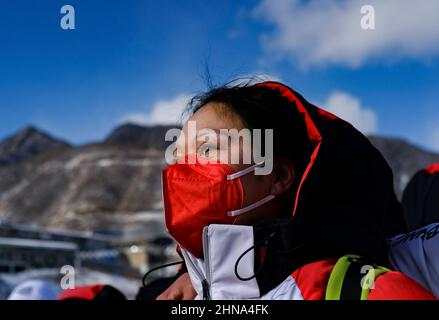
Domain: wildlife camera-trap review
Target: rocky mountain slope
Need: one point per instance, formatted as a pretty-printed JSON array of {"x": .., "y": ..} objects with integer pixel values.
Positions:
[
  {"x": 404, "y": 158},
  {"x": 26, "y": 144},
  {"x": 146, "y": 137},
  {"x": 92, "y": 187}
]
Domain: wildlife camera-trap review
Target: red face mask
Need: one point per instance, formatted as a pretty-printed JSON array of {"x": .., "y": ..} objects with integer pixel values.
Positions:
[{"x": 197, "y": 195}]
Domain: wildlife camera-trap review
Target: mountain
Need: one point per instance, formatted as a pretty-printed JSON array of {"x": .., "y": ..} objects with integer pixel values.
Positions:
[
  {"x": 148, "y": 137},
  {"x": 26, "y": 144},
  {"x": 95, "y": 187},
  {"x": 115, "y": 184},
  {"x": 110, "y": 185},
  {"x": 404, "y": 158}
]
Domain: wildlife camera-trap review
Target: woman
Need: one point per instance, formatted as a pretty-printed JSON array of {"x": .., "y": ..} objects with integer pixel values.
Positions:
[{"x": 281, "y": 235}]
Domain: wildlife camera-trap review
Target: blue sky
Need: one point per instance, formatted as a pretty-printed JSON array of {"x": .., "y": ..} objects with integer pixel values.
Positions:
[{"x": 128, "y": 59}]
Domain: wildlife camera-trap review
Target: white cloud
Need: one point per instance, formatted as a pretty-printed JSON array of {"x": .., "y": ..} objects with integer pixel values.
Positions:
[
  {"x": 165, "y": 112},
  {"x": 349, "y": 108},
  {"x": 319, "y": 32},
  {"x": 261, "y": 76}
]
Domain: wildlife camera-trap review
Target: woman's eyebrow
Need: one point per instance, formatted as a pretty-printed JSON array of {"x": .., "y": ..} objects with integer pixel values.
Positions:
[
  {"x": 220, "y": 136},
  {"x": 202, "y": 134},
  {"x": 203, "y": 130}
]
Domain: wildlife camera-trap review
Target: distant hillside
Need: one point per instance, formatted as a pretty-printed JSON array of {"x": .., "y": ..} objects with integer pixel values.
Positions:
[
  {"x": 404, "y": 158},
  {"x": 107, "y": 185},
  {"x": 148, "y": 137},
  {"x": 114, "y": 184},
  {"x": 26, "y": 144},
  {"x": 86, "y": 188}
]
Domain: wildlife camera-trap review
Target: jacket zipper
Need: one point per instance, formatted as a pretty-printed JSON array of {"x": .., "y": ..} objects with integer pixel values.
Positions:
[{"x": 206, "y": 282}]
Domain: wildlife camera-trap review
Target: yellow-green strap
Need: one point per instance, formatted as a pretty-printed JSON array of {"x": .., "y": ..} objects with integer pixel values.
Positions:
[
  {"x": 335, "y": 283},
  {"x": 370, "y": 278},
  {"x": 338, "y": 273}
]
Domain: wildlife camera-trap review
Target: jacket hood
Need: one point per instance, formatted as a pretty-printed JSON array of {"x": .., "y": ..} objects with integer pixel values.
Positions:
[
  {"x": 420, "y": 200},
  {"x": 345, "y": 202}
]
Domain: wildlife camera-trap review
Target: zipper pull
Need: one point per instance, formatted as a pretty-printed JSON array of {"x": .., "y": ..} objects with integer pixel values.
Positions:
[{"x": 205, "y": 285}]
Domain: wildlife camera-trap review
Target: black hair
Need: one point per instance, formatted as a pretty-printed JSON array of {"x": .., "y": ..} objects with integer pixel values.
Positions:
[{"x": 261, "y": 107}]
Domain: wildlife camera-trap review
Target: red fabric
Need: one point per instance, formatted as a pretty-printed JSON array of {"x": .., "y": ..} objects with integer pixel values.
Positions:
[
  {"x": 325, "y": 114},
  {"x": 433, "y": 168},
  {"x": 312, "y": 278},
  {"x": 85, "y": 293},
  {"x": 395, "y": 285},
  {"x": 196, "y": 195}
]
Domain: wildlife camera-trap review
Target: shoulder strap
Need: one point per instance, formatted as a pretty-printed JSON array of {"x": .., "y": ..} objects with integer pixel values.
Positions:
[{"x": 352, "y": 278}]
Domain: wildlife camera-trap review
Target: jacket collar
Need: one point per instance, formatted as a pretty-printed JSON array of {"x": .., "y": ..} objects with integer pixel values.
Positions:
[{"x": 214, "y": 276}]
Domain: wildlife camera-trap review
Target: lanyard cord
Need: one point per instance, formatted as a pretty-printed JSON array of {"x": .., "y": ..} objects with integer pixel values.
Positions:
[
  {"x": 266, "y": 242},
  {"x": 157, "y": 268}
]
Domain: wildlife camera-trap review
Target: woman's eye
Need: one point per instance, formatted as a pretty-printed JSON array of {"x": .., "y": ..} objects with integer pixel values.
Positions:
[
  {"x": 205, "y": 150},
  {"x": 177, "y": 153}
]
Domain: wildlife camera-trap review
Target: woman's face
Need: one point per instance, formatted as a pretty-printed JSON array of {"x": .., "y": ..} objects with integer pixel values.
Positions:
[{"x": 214, "y": 117}]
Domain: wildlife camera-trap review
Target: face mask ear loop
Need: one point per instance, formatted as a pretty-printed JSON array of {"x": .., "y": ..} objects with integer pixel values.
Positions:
[
  {"x": 238, "y": 212},
  {"x": 266, "y": 242},
  {"x": 245, "y": 171}
]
